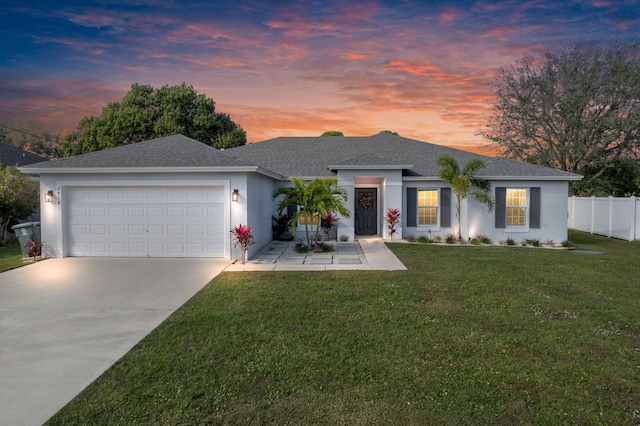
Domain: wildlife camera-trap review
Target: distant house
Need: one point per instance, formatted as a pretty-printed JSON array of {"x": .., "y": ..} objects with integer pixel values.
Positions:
[
  {"x": 13, "y": 156},
  {"x": 177, "y": 197}
]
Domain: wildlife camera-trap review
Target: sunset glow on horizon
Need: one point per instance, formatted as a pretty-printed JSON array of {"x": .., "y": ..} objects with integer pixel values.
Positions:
[{"x": 294, "y": 68}]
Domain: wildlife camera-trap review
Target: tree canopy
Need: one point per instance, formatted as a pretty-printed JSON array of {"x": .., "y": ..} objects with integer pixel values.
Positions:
[
  {"x": 332, "y": 133},
  {"x": 147, "y": 113},
  {"x": 18, "y": 198},
  {"x": 573, "y": 108}
]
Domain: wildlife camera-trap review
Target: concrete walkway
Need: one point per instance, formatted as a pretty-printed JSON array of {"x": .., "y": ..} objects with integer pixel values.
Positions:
[
  {"x": 63, "y": 322},
  {"x": 362, "y": 254}
]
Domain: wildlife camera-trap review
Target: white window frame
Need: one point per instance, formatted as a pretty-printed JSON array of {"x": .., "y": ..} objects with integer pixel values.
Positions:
[
  {"x": 437, "y": 207},
  {"x": 525, "y": 207}
]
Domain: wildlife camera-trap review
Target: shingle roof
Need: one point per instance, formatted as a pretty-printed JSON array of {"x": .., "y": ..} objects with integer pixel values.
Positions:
[
  {"x": 170, "y": 151},
  {"x": 294, "y": 156},
  {"x": 312, "y": 156},
  {"x": 11, "y": 155}
]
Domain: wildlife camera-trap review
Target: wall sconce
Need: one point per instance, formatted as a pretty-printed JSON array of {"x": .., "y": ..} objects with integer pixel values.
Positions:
[
  {"x": 235, "y": 195},
  {"x": 48, "y": 196}
]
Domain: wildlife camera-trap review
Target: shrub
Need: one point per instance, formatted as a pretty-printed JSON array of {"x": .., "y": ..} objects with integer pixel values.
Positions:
[
  {"x": 549, "y": 243},
  {"x": 567, "y": 243},
  {"x": 301, "y": 247},
  {"x": 510, "y": 241},
  {"x": 474, "y": 241},
  {"x": 535, "y": 243},
  {"x": 450, "y": 238},
  {"x": 486, "y": 240},
  {"x": 322, "y": 248},
  {"x": 392, "y": 217},
  {"x": 423, "y": 240},
  {"x": 410, "y": 238},
  {"x": 437, "y": 239}
]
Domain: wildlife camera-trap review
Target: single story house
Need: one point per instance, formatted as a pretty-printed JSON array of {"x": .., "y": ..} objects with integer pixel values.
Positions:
[
  {"x": 177, "y": 197},
  {"x": 13, "y": 156}
]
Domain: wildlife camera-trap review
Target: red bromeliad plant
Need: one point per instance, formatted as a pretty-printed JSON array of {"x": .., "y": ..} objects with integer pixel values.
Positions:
[
  {"x": 242, "y": 237},
  {"x": 392, "y": 217},
  {"x": 328, "y": 222}
]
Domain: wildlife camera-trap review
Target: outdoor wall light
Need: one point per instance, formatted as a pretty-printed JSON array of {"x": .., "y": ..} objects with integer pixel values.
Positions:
[
  {"x": 48, "y": 196},
  {"x": 235, "y": 195}
]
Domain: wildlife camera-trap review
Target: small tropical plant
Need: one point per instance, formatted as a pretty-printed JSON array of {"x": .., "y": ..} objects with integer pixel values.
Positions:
[
  {"x": 34, "y": 247},
  {"x": 280, "y": 227},
  {"x": 510, "y": 241},
  {"x": 411, "y": 238},
  {"x": 474, "y": 241},
  {"x": 535, "y": 243},
  {"x": 301, "y": 247},
  {"x": 328, "y": 222},
  {"x": 314, "y": 199},
  {"x": 464, "y": 182},
  {"x": 437, "y": 239},
  {"x": 243, "y": 238},
  {"x": 392, "y": 217},
  {"x": 567, "y": 244},
  {"x": 450, "y": 238},
  {"x": 423, "y": 239}
]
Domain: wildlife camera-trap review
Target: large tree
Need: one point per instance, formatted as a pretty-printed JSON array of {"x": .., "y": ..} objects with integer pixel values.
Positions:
[
  {"x": 18, "y": 198},
  {"x": 570, "y": 108},
  {"x": 147, "y": 113},
  {"x": 464, "y": 182}
]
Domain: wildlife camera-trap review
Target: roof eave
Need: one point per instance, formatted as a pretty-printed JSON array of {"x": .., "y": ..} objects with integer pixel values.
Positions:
[
  {"x": 370, "y": 167},
  {"x": 121, "y": 170}
]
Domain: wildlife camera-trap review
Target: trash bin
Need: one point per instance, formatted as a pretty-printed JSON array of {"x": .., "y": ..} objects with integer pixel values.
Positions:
[{"x": 24, "y": 231}]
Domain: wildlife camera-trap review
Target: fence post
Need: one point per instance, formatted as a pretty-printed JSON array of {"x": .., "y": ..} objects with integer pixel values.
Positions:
[
  {"x": 610, "y": 225},
  {"x": 632, "y": 225},
  {"x": 592, "y": 217}
]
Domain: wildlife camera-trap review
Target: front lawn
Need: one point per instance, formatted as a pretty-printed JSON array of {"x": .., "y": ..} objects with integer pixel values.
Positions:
[
  {"x": 10, "y": 256},
  {"x": 468, "y": 335}
]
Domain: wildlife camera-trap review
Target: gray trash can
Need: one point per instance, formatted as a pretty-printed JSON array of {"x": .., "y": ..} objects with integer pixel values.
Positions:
[{"x": 24, "y": 231}]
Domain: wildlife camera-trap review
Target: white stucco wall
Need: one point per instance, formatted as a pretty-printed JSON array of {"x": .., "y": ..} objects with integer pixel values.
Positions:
[
  {"x": 259, "y": 210},
  {"x": 53, "y": 215},
  {"x": 389, "y": 185},
  {"x": 476, "y": 219}
]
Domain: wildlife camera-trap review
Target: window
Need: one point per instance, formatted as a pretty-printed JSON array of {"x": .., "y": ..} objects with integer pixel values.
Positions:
[
  {"x": 516, "y": 207},
  {"x": 427, "y": 207}
]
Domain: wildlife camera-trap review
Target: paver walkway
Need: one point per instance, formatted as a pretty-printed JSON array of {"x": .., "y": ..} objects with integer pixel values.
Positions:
[{"x": 367, "y": 254}]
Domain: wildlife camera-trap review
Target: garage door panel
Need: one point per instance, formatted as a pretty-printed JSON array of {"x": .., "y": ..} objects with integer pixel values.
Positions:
[{"x": 138, "y": 222}]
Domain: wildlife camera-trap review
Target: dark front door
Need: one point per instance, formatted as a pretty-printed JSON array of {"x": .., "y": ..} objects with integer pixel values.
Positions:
[{"x": 366, "y": 211}]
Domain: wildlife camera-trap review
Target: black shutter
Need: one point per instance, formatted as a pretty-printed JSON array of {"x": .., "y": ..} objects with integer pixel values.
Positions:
[
  {"x": 412, "y": 207},
  {"x": 445, "y": 209},
  {"x": 501, "y": 207},
  {"x": 534, "y": 209}
]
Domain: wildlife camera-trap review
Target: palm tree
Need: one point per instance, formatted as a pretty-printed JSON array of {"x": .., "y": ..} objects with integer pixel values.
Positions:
[
  {"x": 464, "y": 183},
  {"x": 314, "y": 200}
]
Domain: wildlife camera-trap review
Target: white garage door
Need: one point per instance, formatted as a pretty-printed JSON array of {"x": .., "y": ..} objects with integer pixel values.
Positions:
[{"x": 146, "y": 221}]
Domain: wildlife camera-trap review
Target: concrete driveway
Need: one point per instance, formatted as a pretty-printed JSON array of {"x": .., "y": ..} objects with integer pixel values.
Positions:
[{"x": 63, "y": 322}]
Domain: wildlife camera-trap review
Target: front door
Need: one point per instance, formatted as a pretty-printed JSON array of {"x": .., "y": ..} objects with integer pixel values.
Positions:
[{"x": 366, "y": 211}]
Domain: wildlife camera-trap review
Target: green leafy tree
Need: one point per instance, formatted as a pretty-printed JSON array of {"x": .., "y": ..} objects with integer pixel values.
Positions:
[
  {"x": 389, "y": 132},
  {"x": 147, "y": 113},
  {"x": 315, "y": 199},
  {"x": 618, "y": 178},
  {"x": 332, "y": 133},
  {"x": 464, "y": 182},
  {"x": 18, "y": 198},
  {"x": 572, "y": 108}
]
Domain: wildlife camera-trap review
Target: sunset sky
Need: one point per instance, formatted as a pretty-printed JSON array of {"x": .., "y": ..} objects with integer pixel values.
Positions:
[{"x": 289, "y": 68}]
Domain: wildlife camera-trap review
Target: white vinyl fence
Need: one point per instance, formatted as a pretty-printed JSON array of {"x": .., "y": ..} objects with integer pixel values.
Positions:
[{"x": 610, "y": 216}]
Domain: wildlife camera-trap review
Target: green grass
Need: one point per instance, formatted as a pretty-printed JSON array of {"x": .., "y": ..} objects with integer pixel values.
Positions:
[
  {"x": 10, "y": 256},
  {"x": 468, "y": 335}
]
